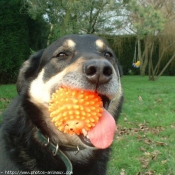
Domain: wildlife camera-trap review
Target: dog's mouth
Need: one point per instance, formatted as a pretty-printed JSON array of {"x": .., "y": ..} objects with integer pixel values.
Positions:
[
  {"x": 105, "y": 101},
  {"x": 101, "y": 135}
]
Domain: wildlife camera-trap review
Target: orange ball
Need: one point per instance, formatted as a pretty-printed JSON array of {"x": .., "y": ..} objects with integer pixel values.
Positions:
[{"x": 73, "y": 110}]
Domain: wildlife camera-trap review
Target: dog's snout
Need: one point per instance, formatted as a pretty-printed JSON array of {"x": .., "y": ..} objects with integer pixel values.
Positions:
[{"x": 98, "y": 71}]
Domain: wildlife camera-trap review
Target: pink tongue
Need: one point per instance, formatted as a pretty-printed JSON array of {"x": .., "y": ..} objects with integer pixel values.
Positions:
[{"x": 101, "y": 136}]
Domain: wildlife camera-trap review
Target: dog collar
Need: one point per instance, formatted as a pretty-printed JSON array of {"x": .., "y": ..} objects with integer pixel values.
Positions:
[
  {"x": 46, "y": 141},
  {"x": 56, "y": 151}
]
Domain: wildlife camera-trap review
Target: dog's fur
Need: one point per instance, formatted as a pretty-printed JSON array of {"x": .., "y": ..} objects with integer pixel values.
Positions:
[{"x": 65, "y": 62}]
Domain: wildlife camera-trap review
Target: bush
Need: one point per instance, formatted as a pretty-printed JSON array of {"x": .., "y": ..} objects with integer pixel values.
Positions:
[{"x": 19, "y": 34}]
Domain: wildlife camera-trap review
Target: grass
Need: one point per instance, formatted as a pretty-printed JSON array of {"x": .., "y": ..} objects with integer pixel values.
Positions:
[
  {"x": 7, "y": 93},
  {"x": 145, "y": 140}
]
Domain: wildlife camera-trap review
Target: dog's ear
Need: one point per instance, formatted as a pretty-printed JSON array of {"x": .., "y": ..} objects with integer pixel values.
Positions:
[{"x": 29, "y": 70}]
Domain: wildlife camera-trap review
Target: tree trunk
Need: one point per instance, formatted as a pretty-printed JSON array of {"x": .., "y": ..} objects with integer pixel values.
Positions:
[
  {"x": 143, "y": 57},
  {"x": 50, "y": 34},
  {"x": 165, "y": 67},
  {"x": 142, "y": 70},
  {"x": 151, "y": 71},
  {"x": 65, "y": 22}
]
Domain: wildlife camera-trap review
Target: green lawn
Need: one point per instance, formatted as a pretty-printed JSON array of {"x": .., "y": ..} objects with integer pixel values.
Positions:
[
  {"x": 145, "y": 141},
  {"x": 7, "y": 93}
]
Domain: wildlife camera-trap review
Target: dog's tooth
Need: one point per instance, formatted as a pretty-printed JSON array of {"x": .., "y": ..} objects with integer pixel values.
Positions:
[
  {"x": 84, "y": 132},
  {"x": 87, "y": 136}
]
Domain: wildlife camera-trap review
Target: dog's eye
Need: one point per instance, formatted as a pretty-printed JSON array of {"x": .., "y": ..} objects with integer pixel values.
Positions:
[
  {"x": 62, "y": 55},
  {"x": 108, "y": 55}
]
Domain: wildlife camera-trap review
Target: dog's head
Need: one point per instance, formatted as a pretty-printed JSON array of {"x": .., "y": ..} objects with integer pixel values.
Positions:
[{"x": 78, "y": 61}]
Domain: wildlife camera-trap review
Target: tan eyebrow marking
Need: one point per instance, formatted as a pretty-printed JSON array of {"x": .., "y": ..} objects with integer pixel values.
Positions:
[
  {"x": 66, "y": 46},
  {"x": 100, "y": 44},
  {"x": 70, "y": 43}
]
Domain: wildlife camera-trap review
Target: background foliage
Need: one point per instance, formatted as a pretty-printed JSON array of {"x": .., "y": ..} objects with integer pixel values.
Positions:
[
  {"x": 124, "y": 48},
  {"x": 19, "y": 34},
  {"x": 30, "y": 25}
]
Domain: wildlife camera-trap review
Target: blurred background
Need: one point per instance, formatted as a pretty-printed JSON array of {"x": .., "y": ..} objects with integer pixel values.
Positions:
[{"x": 137, "y": 30}]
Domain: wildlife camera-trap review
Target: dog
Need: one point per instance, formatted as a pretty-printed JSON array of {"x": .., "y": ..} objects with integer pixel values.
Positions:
[{"x": 29, "y": 140}]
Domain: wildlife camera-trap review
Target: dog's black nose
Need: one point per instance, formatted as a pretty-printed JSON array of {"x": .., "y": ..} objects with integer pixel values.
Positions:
[{"x": 98, "y": 71}]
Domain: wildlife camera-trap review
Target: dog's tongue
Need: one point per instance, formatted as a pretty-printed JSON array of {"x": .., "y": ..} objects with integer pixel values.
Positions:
[{"x": 101, "y": 136}]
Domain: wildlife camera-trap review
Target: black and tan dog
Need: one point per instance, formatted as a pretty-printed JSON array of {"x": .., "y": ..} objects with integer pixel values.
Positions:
[{"x": 78, "y": 61}]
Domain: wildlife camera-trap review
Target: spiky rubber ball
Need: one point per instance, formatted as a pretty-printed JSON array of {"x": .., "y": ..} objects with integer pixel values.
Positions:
[{"x": 74, "y": 110}]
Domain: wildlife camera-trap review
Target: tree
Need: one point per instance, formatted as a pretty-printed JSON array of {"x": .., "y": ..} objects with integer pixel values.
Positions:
[
  {"x": 146, "y": 22},
  {"x": 166, "y": 42},
  {"x": 75, "y": 16},
  {"x": 153, "y": 23}
]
